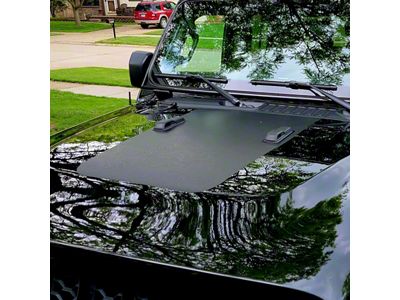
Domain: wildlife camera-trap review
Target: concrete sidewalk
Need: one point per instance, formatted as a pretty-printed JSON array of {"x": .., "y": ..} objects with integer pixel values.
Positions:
[
  {"x": 73, "y": 50},
  {"x": 74, "y": 56},
  {"x": 95, "y": 90}
]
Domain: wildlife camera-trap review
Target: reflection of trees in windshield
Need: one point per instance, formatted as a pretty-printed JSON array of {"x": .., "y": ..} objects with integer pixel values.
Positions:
[
  {"x": 256, "y": 236},
  {"x": 265, "y": 40}
]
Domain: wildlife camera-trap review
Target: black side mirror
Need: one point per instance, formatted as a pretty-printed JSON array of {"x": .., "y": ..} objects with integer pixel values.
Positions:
[{"x": 138, "y": 65}]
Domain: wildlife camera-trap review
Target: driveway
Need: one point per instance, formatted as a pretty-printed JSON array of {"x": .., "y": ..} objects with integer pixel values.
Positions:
[{"x": 72, "y": 50}]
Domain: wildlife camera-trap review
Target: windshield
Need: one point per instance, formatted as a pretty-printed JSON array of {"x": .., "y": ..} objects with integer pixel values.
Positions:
[{"x": 306, "y": 41}]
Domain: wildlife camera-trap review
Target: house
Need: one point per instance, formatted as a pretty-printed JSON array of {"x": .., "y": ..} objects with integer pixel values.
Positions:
[
  {"x": 98, "y": 8},
  {"x": 90, "y": 7},
  {"x": 110, "y": 6},
  {"x": 131, "y": 3}
]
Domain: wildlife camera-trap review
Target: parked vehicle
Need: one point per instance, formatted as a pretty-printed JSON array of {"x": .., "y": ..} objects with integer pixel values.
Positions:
[
  {"x": 153, "y": 13},
  {"x": 240, "y": 187}
]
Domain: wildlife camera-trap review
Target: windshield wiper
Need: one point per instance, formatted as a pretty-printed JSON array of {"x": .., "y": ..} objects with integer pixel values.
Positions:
[
  {"x": 222, "y": 92},
  {"x": 317, "y": 90}
]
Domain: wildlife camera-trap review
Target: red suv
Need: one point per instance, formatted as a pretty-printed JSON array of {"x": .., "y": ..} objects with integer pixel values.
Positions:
[{"x": 153, "y": 13}]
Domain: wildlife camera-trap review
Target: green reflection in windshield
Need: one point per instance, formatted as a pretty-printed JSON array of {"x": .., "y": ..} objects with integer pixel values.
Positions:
[
  {"x": 260, "y": 40},
  {"x": 207, "y": 58}
]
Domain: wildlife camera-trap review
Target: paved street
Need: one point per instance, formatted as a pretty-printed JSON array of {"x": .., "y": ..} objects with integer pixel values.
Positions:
[
  {"x": 72, "y": 50},
  {"x": 75, "y": 55}
]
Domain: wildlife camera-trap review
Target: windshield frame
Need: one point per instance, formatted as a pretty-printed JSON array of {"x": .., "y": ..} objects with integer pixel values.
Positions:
[{"x": 150, "y": 83}]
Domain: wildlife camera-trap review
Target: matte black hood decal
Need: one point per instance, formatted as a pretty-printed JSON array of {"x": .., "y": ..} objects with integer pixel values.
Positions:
[{"x": 196, "y": 156}]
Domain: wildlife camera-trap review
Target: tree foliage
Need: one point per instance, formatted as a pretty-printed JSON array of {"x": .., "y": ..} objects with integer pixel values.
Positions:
[
  {"x": 76, "y": 7},
  {"x": 57, "y": 6}
]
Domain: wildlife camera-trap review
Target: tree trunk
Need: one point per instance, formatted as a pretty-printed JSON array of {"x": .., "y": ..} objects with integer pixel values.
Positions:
[{"x": 77, "y": 17}]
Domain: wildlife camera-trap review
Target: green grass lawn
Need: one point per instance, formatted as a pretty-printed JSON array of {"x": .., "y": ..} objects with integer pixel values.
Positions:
[
  {"x": 118, "y": 129},
  {"x": 204, "y": 61},
  {"x": 205, "y": 30},
  {"x": 69, "y": 109},
  {"x": 210, "y": 37},
  {"x": 211, "y": 30},
  {"x": 207, "y": 43},
  {"x": 93, "y": 75},
  {"x": 70, "y": 26},
  {"x": 132, "y": 40},
  {"x": 155, "y": 32}
]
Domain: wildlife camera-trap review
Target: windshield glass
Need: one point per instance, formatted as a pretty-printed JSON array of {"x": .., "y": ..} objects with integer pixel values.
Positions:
[{"x": 306, "y": 41}]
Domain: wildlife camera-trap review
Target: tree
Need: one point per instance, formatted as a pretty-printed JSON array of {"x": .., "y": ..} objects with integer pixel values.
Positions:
[
  {"x": 76, "y": 7},
  {"x": 56, "y": 6}
]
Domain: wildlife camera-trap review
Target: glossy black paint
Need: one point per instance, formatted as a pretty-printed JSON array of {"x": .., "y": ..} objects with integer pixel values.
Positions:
[
  {"x": 92, "y": 274},
  {"x": 284, "y": 219}
]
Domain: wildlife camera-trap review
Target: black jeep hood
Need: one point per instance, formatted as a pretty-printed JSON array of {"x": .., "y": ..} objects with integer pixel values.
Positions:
[{"x": 282, "y": 219}]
